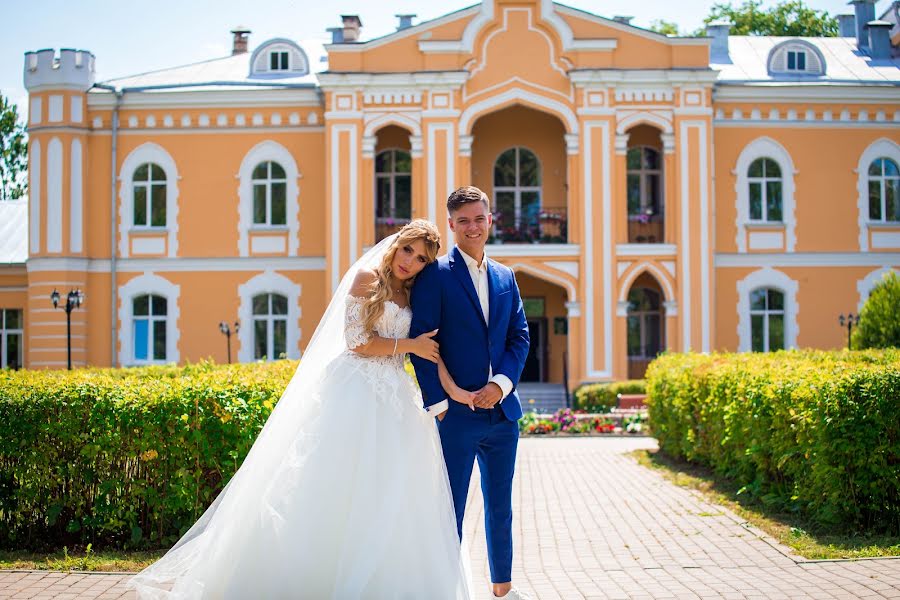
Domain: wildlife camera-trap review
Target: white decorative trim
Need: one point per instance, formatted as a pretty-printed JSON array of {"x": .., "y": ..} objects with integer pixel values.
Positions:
[
  {"x": 606, "y": 244},
  {"x": 54, "y": 195},
  {"x": 764, "y": 147},
  {"x": 34, "y": 196},
  {"x": 465, "y": 145},
  {"x": 767, "y": 278},
  {"x": 55, "y": 114},
  {"x": 76, "y": 201},
  {"x": 808, "y": 259},
  {"x": 626, "y": 120},
  {"x": 76, "y": 105},
  {"x": 148, "y": 152},
  {"x": 570, "y": 267},
  {"x": 571, "y": 143},
  {"x": 267, "y": 150},
  {"x": 268, "y": 282},
  {"x": 148, "y": 283},
  {"x": 432, "y": 198},
  {"x": 34, "y": 115},
  {"x": 177, "y": 265},
  {"x": 148, "y": 245},
  {"x": 412, "y": 122},
  {"x": 705, "y": 246},
  {"x": 882, "y": 147},
  {"x": 335, "y": 254},
  {"x": 536, "y": 250},
  {"x": 646, "y": 267},
  {"x": 622, "y": 267},
  {"x": 483, "y": 51},
  {"x": 562, "y": 282},
  {"x": 685, "y": 238},
  {"x": 882, "y": 240},
  {"x": 517, "y": 95},
  {"x": 573, "y": 309},
  {"x": 766, "y": 240},
  {"x": 671, "y": 307},
  {"x": 865, "y": 285},
  {"x": 646, "y": 249}
]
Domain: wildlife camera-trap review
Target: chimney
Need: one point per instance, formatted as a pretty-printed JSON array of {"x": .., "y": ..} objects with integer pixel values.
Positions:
[
  {"x": 241, "y": 38},
  {"x": 405, "y": 21},
  {"x": 622, "y": 19},
  {"x": 879, "y": 39},
  {"x": 718, "y": 31},
  {"x": 865, "y": 12},
  {"x": 337, "y": 34},
  {"x": 352, "y": 25},
  {"x": 846, "y": 25}
]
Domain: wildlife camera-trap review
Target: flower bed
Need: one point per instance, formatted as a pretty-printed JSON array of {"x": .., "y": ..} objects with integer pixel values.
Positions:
[{"x": 578, "y": 422}]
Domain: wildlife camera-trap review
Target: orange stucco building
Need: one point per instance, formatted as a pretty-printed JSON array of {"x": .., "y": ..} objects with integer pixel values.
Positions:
[{"x": 651, "y": 192}]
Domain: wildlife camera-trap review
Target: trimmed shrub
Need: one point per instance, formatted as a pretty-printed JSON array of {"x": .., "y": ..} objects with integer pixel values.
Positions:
[
  {"x": 817, "y": 432},
  {"x": 126, "y": 457},
  {"x": 600, "y": 397},
  {"x": 879, "y": 319}
]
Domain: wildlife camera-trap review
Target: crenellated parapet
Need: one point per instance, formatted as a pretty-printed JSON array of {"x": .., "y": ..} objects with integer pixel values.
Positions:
[{"x": 72, "y": 69}]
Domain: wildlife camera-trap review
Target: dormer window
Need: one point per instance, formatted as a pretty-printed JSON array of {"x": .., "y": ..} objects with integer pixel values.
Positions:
[
  {"x": 796, "y": 57},
  {"x": 278, "y": 61},
  {"x": 796, "y": 60},
  {"x": 278, "y": 58}
]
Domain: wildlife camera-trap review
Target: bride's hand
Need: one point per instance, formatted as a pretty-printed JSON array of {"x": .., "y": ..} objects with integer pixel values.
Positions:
[
  {"x": 426, "y": 347},
  {"x": 463, "y": 397}
]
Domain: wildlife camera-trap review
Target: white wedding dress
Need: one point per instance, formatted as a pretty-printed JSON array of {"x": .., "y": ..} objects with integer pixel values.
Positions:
[{"x": 344, "y": 495}]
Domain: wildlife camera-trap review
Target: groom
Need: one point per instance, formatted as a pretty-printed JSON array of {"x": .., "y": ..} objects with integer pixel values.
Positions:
[{"x": 474, "y": 304}]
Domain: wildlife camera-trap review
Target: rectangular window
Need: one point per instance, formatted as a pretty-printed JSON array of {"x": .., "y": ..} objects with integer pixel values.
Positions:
[
  {"x": 260, "y": 339},
  {"x": 773, "y": 201},
  {"x": 755, "y": 201},
  {"x": 279, "y": 341},
  {"x": 11, "y": 337},
  {"x": 158, "y": 208},
  {"x": 279, "y": 204},
  {"x": 278, "y": 61},
  {"x": 159, "y": 340},
  {"x": 796, "y": 60},
  {"x": 141, "y": 338},
  {"x": 757, "y": 333},
  {"x": 776, "y": 332},
  {"x": 634, "y": 337},
  {"x": 140, "y": 205},
  {"x": 259, "y": 204},
  {"x": 874, "y": 200},
  {"x": 892, "y": 199}
]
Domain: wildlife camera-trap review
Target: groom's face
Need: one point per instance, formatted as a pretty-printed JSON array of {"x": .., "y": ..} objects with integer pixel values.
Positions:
[{"x": 471, "y": 224}]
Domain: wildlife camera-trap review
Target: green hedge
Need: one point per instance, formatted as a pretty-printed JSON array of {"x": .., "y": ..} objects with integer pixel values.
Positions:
[
  {"x": 127, "y": 457},
  {"x": 817, "y": 432},
  {"x": 600, "y": 397}
]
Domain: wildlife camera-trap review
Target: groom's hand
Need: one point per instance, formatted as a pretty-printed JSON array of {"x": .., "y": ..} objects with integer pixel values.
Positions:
[
  {"x": 441, "y": 416},
  {"x": 488, "y": 396}
]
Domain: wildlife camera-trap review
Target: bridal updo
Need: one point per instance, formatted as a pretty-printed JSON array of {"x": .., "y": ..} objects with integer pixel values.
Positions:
[{"x": 380, "y": 289}]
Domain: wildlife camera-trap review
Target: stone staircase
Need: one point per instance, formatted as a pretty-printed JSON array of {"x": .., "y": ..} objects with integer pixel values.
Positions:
[{"x": 542, "y": 397}]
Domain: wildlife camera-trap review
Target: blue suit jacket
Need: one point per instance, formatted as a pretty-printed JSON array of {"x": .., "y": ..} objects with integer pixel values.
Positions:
[{"x": 444, "y": 298}]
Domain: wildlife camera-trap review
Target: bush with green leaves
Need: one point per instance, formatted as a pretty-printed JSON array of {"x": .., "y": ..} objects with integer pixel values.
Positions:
[
  {"x": 810, "y": 431},
  {"x": 124, "y": 457},
  {"x": 600, "y": 397},
  {"x": 879, "y": 319}
]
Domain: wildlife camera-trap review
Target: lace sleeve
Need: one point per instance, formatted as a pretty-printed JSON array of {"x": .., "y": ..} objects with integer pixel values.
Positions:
[{"x": 354, "y": 328}]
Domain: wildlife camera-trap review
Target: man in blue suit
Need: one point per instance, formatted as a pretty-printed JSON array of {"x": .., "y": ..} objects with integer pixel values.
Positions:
[{"x": 475, "y": 305}]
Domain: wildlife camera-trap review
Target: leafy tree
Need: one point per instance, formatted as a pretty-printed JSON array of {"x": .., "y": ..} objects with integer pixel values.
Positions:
[
  {"x": 789, "y": 18},
  {"x": 664, "y": 27},
  {"x": 13, "y": 152},
  {"x": 879, "y": 319}
]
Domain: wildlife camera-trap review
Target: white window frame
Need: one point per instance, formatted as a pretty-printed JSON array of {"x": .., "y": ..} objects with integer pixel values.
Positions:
[
  {"x": 798, "y": 53},
  {"x": 767, "y": 277},
  {"x": 151, "y": 319},
  {"x": 268, "y": 181},
  {"x": 518, "y": 188},
  {"x": 642, "y": 316},
  {"x": 882, "y": 179},
  {"x": 270, "y": 319},
  {"x": 763, "y": 181},
  {"x": 148, "y": 186},
  {"x": 147, "y": 152},
  {"x": 6, "y": 332},
  {"x": 268, "y": 282},
  {"x": 391, "y": 176},
  {"x": 766, "y": 313},
  {"x": 148, "y": 283},
  {"x": 881, "y": 148},
  {"x": 282, "y": 65},
  {"x": 262, "y": 152},
  {"x": 643, "y": 173},
  {"x": 764, "y": 147}
]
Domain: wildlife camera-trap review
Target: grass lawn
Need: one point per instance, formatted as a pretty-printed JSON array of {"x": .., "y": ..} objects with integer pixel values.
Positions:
[
  {"x": 78, "y": 559},
  {"x": 806, "y": 538}
]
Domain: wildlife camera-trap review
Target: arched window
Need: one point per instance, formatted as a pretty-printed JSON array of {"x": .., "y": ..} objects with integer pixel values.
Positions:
[
  {"x": 766, "y": 320},
  {"x": 644, "y": 323},
  {"x": 393, "y": 191},
  {"x": 270, "y": 319},
  {"x": 884, "y": 190},
  {"x": 765, "y": 186},
  {"x": 149, "y": 195},
  {"x": 644, "y": 181},
  {"x": 149, "y": 314},
  {"x": 269, "y": 194},
  {"x": 517, "y": 195}
]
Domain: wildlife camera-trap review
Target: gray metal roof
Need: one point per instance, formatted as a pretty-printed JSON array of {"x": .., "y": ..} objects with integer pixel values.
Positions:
[
  {"x": 232, "y": 71},
  {"x": 13, "y": 231},
  {"x": 748, "y": 56}
]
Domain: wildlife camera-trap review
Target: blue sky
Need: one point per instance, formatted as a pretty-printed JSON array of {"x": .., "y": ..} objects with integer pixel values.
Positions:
[{"x": 128, "y": 38}]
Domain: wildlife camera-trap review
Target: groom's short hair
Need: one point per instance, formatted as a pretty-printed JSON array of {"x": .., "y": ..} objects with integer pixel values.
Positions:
[{"x": 466, "y": 195}]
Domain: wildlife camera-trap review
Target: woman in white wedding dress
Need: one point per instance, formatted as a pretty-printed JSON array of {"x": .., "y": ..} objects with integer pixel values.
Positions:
[{"x": 344, "y": 494}]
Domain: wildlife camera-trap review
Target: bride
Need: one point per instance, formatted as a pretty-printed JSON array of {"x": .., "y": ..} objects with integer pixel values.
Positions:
[{"x": 344, "y": 494}]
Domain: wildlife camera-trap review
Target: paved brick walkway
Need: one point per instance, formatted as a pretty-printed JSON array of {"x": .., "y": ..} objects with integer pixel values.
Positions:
[{"x": 591, "y": 523}]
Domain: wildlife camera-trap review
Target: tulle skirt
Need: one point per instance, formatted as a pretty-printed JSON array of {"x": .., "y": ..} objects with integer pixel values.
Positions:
[{"x": 358, "y": 506}]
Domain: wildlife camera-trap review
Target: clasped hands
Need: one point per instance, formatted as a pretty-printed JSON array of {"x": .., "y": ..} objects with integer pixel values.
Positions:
[{"x": 486, "y": 397}]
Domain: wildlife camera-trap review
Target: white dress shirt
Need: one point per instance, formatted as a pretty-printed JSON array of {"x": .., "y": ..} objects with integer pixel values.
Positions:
[{"x": 480, "y": 281}]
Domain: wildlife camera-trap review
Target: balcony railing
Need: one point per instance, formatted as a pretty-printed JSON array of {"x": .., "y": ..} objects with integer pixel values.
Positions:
[
  {"x": 646, "y": 229},
  {"x": 549, "y": 225}
]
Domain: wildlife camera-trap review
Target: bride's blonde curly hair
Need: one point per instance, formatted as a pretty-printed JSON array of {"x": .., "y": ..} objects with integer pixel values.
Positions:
[{"x": 380, "y": 289}]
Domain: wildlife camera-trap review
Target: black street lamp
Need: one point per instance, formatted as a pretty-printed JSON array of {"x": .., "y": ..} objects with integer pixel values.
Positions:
[
  {"x": 850, "y": 320},
  {"x": 223, "y": 327},
  {"x": 74, "y": 299}
]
